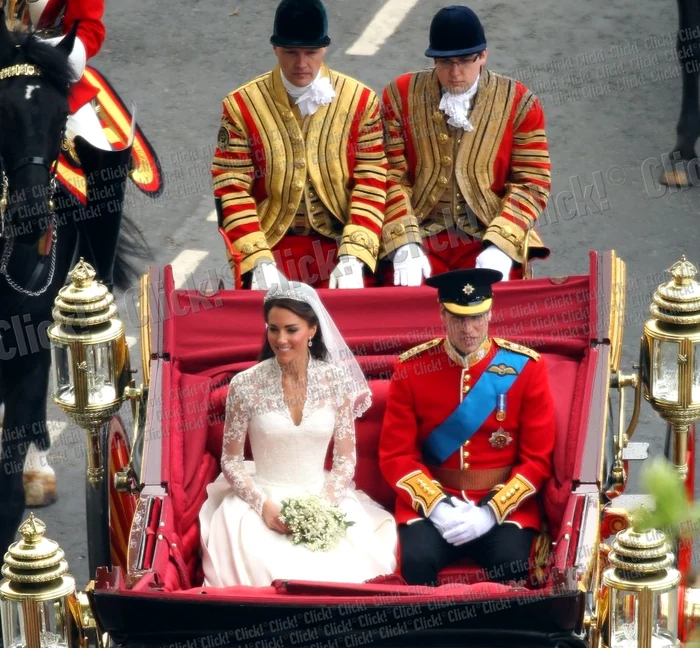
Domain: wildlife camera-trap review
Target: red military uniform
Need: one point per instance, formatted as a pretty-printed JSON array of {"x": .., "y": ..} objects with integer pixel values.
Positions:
[
  {"x": 506, "y": 461},
  {"x": 490, "y": 184},
  {"x": 55, "y": 17}
]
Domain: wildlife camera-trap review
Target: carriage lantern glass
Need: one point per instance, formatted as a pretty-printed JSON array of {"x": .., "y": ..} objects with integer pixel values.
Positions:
[
  {"x": 89, "y": 352},
  {"x": 670, "y": 355},
  {"x": 90, "y": 358},
  {"x": 642, "y": 586},
  {"x": 37, "y": 595}
]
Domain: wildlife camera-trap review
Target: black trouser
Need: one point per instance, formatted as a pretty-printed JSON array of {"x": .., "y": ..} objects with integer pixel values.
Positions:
[{"x": 503, "y": 553}]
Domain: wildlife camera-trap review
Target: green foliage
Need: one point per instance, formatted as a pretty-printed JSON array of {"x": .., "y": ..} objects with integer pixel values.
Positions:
[{"x": 673, "y": 512}]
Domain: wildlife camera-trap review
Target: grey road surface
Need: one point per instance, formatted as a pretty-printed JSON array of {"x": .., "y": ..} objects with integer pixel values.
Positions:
[{"x": 607, "y": 75}]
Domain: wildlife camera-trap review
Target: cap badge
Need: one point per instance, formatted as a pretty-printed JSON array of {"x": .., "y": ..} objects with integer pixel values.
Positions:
[{"x": 468, "y": 289}]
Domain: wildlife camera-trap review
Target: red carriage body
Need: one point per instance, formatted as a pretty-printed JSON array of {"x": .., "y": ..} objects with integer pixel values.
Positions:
[{"x": 198, "y": 343}]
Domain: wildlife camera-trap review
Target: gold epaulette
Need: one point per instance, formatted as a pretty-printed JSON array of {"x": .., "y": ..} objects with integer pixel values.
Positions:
[
  {"x": 417, "y": 350},
  {"x": 518, "y": 348}
]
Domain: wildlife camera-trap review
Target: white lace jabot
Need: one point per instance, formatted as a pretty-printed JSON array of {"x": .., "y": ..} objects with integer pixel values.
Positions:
[
  {"x": 456, "y": 107},
  {"x": 311, "y": 97}
]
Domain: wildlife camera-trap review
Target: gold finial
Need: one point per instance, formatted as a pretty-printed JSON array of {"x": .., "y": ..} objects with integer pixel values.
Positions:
[
  {"x": 683, "y": 272},
  {"x": 32, "y": 530},
  {"x": 35, "y": 567},
  {"x": 678, "y": 301},
  {"x": 83, "y": 274},
  {"x": 84, "y": 302}
]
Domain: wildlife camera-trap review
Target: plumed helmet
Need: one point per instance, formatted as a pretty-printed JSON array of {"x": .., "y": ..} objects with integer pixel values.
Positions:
[
  {"x": 455, "y": 31},
  {"x": 300, "y": 23}
]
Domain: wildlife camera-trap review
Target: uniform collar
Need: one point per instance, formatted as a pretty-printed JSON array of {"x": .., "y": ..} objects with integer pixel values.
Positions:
[
  {"x": 458, "y": 106},
  {"x": 471, "y": 359},
  {"x": 319, "y": 92}
]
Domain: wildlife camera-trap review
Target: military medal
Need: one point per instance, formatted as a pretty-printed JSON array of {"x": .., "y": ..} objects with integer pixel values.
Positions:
[
  {"x": 501, "y": 409},
  {"x": 500, "y": 438}
]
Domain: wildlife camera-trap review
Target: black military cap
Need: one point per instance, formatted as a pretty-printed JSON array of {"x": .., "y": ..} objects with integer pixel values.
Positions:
[
  {"x": 300, "y": 23},
  {"x": 455, "y": 31},
  {"x": 466, "y": 292}
]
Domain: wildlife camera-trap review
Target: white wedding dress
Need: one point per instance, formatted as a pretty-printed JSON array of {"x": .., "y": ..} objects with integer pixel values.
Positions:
[{"x": 238, "y": 548}]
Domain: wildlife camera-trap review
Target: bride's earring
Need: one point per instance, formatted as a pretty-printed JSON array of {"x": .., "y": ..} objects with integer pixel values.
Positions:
[{"x": 310, "y": 342}]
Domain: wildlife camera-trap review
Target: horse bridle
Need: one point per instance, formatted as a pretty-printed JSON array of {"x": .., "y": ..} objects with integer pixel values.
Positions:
[{"x": 12, "y": 71}]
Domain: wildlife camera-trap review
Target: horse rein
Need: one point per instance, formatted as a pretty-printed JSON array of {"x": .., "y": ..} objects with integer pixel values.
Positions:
[{"x": 13, "y": 71}]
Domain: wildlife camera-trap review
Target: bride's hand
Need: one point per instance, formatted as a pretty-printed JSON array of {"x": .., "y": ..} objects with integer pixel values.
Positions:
[{"x": 271, "y": 515}]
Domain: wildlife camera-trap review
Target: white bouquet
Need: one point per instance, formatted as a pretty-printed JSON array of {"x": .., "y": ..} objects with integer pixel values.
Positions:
[{"x": 314, "y": 522}]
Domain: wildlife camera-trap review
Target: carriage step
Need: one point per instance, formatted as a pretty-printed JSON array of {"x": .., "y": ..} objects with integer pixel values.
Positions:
[{"x": 636, "y": 451}]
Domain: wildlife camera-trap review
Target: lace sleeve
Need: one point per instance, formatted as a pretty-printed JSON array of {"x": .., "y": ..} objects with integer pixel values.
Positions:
[
  {"x": 232, "y": 455},
  {"x": 344, "y": 454}
]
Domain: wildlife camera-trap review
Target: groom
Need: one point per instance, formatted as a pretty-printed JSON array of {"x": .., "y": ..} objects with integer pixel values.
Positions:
[{"x": 467, "y": 440}]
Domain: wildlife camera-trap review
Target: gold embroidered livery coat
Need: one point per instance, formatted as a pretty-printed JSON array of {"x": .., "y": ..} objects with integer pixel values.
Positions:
[
  {"x": 502, "y": 167},
  {"x": 268, "y": 156}
]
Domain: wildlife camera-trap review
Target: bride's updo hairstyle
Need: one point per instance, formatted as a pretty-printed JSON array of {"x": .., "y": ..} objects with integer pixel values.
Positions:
[{"x": 304, "y": 311}]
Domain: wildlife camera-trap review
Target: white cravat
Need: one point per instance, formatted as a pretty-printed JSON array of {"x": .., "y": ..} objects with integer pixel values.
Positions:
[
  {"x": 456, "y": 107},
  {"x": 311, "y": 97}
]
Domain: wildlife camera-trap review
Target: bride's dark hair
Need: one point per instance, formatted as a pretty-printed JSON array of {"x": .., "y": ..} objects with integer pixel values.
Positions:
[{"x": 300, "y": 309}]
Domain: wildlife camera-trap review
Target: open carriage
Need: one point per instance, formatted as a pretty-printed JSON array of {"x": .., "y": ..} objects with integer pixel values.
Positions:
[{"x": 144, "y": 538}]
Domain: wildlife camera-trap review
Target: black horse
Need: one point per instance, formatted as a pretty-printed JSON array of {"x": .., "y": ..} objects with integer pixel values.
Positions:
[
  {"x": 676, "y": 171},
  {"x": 43, "y": 231}
]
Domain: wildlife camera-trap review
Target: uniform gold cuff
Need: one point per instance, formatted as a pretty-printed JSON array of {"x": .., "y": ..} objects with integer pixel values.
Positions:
[
  {"x": 507, "y": 237},
  {"x": 425, "y": 493},
  {"x": 397, "y": 233},
  {"x": 508, "y": 498},
  {"x": 252, "y": 247},
  {"x": 361, "y": 243}
]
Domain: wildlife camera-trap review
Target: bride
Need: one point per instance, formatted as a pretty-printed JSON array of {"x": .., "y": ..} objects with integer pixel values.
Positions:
[{"x": 305, "y": 392}]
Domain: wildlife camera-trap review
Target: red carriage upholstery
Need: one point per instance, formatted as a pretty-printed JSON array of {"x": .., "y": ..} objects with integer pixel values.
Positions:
[{"x": 208, "y": 343}]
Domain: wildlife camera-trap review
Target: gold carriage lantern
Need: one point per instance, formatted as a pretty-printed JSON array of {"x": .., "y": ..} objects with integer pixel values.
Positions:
[
  {"x": 90, "y": 358},
  {"x": 37, "y": 595},
  {"x": 670, "y": 356},
  {"x": 642, "y": 586}
]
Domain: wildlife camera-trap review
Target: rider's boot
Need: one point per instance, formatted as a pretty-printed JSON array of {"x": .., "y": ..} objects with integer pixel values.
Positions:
[
  {"x": 39, "y": 479},
  {"x": 106, "y": 173}
]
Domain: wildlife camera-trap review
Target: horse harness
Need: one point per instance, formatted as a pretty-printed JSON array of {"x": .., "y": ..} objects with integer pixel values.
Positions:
[{"x": 22, "y": 70}]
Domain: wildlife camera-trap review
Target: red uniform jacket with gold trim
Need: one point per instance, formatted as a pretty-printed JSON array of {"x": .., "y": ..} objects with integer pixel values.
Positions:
[
  {"x": 502, "y": 167},
  {"x": 426, "y": 388},
  {"x": 267, "y": 154},
  {"x": 63, "y": 14}
]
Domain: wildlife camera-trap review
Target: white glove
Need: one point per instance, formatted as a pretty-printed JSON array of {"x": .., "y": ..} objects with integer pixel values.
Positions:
[
  {"x": 446, "y": 517},
  {"x": 77, "y": 58},
  {"x": 495, "y": 259},
  {"x": 347, "y": 274},
  {"x": 266, "y": 275},
  {"x": 410, "y": 262},
  {"x": 476, "y": 522}
]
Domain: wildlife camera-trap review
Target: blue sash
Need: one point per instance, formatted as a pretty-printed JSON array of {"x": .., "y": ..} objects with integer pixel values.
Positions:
[{"x": 475, "y": 408}]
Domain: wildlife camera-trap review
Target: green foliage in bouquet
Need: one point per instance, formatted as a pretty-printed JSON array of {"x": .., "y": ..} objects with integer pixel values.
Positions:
[
  {"x": 673, "y": 513},
  {"x": 314, "y": 522}
]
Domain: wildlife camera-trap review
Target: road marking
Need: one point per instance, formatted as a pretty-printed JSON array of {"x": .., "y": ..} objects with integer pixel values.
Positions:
[
  {"x": 212, "y": 218},
  {"x": 184, "y": 265},
  {"x": 383, "y": 25}
]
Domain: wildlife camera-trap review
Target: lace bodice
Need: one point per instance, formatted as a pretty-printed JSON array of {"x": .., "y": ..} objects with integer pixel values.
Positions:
[{"x": 285, "y": 453}]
